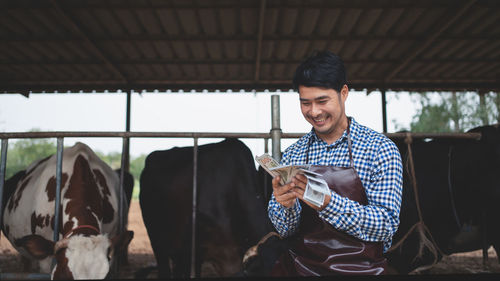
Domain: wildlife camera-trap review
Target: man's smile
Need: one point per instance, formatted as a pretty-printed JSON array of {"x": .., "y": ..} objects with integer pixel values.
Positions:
[{"x": 319, "y": 120}]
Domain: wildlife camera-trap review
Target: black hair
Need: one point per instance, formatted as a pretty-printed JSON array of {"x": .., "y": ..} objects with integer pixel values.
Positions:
[{"x": 322, "y": 69}]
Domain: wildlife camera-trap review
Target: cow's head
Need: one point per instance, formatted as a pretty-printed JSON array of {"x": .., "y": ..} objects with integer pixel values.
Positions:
[{"x": 79, "y": 256}]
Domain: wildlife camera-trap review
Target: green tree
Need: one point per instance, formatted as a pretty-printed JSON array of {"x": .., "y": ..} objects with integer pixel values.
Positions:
[
  {"x": 23, "y": 152},
  {"x": 454, "y": 112},
  {"x": 137, "y": 165},
  {"x": 113, "y": 159}
]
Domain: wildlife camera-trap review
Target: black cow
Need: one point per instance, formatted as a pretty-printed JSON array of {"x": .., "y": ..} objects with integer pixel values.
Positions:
[
  {"x": 458, "y": 184},
  {"x": 231, "y": 214}
]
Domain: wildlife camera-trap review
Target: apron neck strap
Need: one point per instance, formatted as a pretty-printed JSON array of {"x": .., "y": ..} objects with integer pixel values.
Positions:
[{"x": 349, "y": 144}]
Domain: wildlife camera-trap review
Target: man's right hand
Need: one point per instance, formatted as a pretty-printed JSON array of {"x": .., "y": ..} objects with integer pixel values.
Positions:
[{"x": 283, "y": 193}]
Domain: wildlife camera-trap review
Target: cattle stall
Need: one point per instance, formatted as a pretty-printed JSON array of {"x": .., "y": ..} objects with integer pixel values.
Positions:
[
  {"x": 71, "y": 46},
  {"x": 194, "y": 135}
]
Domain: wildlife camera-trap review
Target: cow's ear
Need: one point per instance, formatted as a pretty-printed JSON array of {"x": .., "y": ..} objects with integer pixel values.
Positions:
[{"x": 36, "y": 246}]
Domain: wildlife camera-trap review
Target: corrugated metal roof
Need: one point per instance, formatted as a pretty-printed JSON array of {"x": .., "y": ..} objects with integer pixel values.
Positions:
[{"x": 245, "y": 44}]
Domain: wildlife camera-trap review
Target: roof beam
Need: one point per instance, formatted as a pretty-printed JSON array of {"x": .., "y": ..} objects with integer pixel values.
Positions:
[
  {"x": 16, "y": 38},
  {"x": 149, "y": 85},
  {"x": 144, "y": 5},
  {"x": 260, "y": 34},
  {"x": 155, "y": 61},
  {"x": 440, "y": 28},
  {"x": 78, "y": 30},
  {"x": 424, "y": 81}
]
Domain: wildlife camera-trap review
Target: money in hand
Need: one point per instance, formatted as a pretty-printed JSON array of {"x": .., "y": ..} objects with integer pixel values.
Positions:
[
  {"x": 316, "y": 189},
  {"x": 267, "y": 162},
  {"x": 275, "y": 169},
  {"x": 313, "y": 196},
  {"x": 288, "y": 172}
]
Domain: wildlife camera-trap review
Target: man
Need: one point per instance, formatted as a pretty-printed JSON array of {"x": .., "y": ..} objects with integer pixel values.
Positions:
[{"x": 336, "y": 140}]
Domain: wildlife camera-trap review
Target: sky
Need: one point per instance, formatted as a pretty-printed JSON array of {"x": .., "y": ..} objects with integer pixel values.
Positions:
[{"x": 183, "y": 112}]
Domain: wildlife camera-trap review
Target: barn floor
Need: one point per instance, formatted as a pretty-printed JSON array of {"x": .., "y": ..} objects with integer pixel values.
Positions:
[{"x": 141, "y": 255}]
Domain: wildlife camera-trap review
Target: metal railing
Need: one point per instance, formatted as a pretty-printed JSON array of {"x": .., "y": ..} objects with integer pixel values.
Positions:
[{"x": 275, "y": 133}]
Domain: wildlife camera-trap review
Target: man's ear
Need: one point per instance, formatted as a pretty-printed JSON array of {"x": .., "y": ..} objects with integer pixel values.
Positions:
[
  {"x": 344, "y": 92},
  {"x": 37, "y": 246}
]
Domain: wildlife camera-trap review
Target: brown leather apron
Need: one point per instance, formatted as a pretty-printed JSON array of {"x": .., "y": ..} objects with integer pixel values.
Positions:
[{"x": 318, "y": 248}]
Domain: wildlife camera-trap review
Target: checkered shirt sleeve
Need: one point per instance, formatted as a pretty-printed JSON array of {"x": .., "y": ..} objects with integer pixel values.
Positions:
[{"x": 378, "y": 164}]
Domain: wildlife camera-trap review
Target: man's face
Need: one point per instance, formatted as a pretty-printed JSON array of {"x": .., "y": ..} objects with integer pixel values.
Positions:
[{"x": 324, "y": 109}]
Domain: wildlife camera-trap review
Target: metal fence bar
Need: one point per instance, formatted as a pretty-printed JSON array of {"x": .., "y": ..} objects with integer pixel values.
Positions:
[
  {"x": 22, "y": 135},
  {"x": 195, "y": 207},
  {"x": 275, "y": 127},
  {"x": 121, "y": 224},
  {"x": 121, "y": 208},
  {"x": 19, "y": 135},
  {"x": 3, "y": 165},
  {"x": 57, "y": 202},
  {"x": 60, "y": 148}
]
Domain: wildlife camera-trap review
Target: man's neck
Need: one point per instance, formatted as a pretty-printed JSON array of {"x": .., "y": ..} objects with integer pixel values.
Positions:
[{"x": 337, "y": 133}]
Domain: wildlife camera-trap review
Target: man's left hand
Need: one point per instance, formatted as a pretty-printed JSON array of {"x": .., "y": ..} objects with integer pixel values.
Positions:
[{"x": 300, "y": 182}]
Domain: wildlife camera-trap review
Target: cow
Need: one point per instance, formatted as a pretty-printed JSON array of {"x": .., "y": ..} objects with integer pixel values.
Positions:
[
  {"x": 231, "y": 211},
  {"x": 88, "y": 221},
  {"x": 458, "y": 183}
]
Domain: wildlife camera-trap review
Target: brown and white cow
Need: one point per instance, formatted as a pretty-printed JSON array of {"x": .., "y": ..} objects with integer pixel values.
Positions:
[{"x": 88, "y": 225}]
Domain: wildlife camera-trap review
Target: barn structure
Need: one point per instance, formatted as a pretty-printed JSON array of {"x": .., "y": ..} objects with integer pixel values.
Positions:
[{"x": 54, "y": 46}]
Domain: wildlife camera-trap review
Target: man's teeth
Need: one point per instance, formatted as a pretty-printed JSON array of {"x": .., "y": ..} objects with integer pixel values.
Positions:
[{"x": 319, "y": 120}]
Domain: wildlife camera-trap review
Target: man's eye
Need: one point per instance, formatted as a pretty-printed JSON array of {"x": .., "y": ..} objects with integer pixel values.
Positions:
[
  {"x": 322, "y": 101},
  {"x": 306, "y": 103}
]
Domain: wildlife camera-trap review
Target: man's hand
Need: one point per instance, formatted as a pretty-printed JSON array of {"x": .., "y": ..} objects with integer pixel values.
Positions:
[
  {"x": 300, "y": 181},
  {"x": 283, "y": 193}
]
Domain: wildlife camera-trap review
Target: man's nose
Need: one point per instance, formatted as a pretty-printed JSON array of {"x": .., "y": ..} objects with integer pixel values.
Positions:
[{"x": 315, "y": 110}]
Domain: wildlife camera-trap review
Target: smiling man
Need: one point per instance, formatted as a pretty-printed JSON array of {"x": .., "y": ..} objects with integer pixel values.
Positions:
[{"x": 349, "y": 233}]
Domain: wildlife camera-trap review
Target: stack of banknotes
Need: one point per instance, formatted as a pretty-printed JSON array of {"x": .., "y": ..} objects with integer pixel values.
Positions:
[{"x": 316, "y": 188}]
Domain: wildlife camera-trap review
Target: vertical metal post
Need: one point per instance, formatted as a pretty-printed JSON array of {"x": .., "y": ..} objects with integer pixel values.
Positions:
[
  {"x": 60, "y": 142},
  {"x": 275, "y": 128},
  {"x": 3, "y": 165},
  {"x": 126, "y": 149},
  {"x": 125, "y": 161},
  {"x": 121, "y": 199},
  {"x": 193, "y": 223},
  {"x": 121, "y": 208},
  {"x": 384, "y": 111}
]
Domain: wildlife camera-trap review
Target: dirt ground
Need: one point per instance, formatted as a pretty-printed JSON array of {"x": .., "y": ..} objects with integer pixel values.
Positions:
[{"x": 140, "y": 254}]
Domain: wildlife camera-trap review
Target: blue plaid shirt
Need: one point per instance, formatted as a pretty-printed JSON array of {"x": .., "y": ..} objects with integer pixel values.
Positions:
[{"x": 378, "y": 164}]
